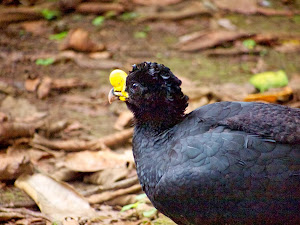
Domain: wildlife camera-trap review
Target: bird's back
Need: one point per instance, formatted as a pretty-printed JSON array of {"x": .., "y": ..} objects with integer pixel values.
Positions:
[{"x": 215, "y": 167}]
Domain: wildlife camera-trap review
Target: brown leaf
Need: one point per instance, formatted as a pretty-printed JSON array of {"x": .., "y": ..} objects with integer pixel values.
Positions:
[
  {"x": 88, "y": 161},
  {"x": 249, "y": 7},
  {"x": 44, "y": 88},
  {"x": 10, "y": 213},
  {"x": 107, "y": 176},
  {"x": 100, "y": 55},
  {"x": 13, "y": 165},
  {"x": 79, "y": 40},
  {"x": 202, "y": 40},
  {"x": 35, "y": 27},
  {"x": 68, "y": 83},
  {"x": 18, "y": 14},
  {"x": 18, "y": 107},
  {"x": 32, "y": 84},
  {"x": 192, "y": 10},
  {"x": 3, "y": 117},
  {"x": 10, "y": 130},
  {"x": 55, "y": 199},
  {"x": 156, "y": 2},
  {"x": 106, "y": 196},
  {"x": 282, "y": 95},
  {"x": 99, "y": 7},
  {"x": 240, "y": 6}
]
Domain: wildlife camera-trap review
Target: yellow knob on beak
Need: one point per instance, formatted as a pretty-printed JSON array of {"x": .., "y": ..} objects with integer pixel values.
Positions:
[{"x": 117, "y": 79}]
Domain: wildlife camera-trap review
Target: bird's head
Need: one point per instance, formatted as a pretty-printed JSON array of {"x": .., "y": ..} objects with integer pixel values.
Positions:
[{"x": 151, "y": 91}]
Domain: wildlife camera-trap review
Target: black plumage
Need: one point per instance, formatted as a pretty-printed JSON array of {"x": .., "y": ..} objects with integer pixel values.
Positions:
[{"x": 227, "y": 162}]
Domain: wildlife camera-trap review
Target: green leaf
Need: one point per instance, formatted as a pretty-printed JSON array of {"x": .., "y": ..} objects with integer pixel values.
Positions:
[
  {"x": 141, "y": 197},
  {"x": 129, "y": 16},
  {"x": 110, "y": 14},
  {"x": 98, "y": 21},
  {"x": 50, "y": 14},
  {"x": 44, "y": 62},
  {"x": 267, "y": 80},
  {"x": 58, "y": 36},
  {"x": 140, "y": 34},
  {"x": 249, "y": 44},
  {"x": 150, "y": 212},
  {"x": 130, "y": 206}
]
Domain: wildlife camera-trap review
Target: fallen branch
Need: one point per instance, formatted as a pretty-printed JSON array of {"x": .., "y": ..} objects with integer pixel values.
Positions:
[{"x": 106, "y": 196}]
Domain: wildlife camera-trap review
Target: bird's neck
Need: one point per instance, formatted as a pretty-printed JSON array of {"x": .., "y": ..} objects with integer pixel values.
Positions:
[
  {"x": 158, "y": 117},
  {"x": 158, "y": 120}
]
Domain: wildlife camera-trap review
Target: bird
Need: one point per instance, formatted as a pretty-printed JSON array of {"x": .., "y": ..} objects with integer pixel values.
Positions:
[{"x": 223, "y": 163}]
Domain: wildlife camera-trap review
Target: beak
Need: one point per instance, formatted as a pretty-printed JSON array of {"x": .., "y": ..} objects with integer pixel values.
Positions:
[
  {"x": 117, "y": 79},
  {"x": 114, "y": 95},
  {"x": 111, "y": 96}
]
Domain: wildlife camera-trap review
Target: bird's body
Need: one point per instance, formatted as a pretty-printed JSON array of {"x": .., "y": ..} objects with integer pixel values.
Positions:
[{"x": 228, "y": 162}]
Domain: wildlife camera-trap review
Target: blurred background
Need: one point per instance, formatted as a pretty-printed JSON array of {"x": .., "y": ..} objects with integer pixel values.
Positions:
[{"x": 64, "y": 151}]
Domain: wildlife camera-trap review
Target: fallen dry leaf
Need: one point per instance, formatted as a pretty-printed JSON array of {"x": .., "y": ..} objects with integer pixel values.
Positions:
[
  {"x": 3, "y": 117},
  {"x": 35, "y": 27},
  {"x": 18, "y": 107},
  {"x": 13, "y": 213},
  {"x": 250, "y": 7},
  {"x": 68, "y": 83},
  {"x": 55, "y": 199},
  {"x": 108, "y": 195},
  {"x": 107, "y": 177},
  {"x": 202, "y": 40},
  {"x": 100, "y": 55},
  {"x": 99, "y": 7},
  {"x": 240, "y": 6},
  {"x": 79, "y": 40},
  {"x": 13, "y": 164},
  {"x": 11, "y": 130},
  {"x": 44, "y": 88},
  {"x": 88, "y": 161},
  {"x": 282, "y": 96},
  {"x": 192, "y": 10},
  {"x": 156, "y": 2},
  {"x": 18, "y": 14},
  {"x": 32, "y": 84}
]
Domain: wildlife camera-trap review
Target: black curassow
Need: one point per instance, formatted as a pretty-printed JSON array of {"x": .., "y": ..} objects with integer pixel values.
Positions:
[{"x": 223, "y": 163}]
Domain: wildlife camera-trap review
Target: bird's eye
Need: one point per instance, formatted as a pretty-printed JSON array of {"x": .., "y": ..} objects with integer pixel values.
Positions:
[{"x": 135, "y": 86}]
